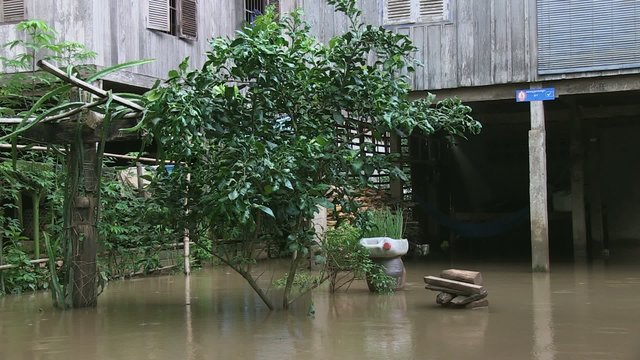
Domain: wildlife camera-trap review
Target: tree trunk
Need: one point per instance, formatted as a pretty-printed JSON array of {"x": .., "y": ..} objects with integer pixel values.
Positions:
[
  {"x": 256, "y": 288},
  {"x": 83, "y": 272},
  {"x": 471, "y": 277},
  {"x": 290, "y": 278}
]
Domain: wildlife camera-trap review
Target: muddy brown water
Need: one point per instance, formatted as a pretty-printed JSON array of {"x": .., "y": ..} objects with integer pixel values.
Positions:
[{"x": 577, "y": 312}]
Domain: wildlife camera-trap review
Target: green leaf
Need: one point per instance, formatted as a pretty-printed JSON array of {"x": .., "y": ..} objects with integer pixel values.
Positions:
[
  {"x": 266, "y": 210},
  {"x": 324, "y": 202},
  {"x": 233, "y": 195},
  {"x": 338, "y": 118}
]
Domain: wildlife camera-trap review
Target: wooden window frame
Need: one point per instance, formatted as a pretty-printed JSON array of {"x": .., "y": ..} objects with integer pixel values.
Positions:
[
  {"x": 12, "y": 20},
  {"x": 175, "y": 21}
]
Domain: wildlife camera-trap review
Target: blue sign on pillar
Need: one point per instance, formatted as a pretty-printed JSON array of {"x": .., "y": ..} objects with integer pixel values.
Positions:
[{"x": 527, "y": 95}]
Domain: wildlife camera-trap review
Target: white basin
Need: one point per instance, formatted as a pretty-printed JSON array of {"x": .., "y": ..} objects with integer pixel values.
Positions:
[{"x": 384, "y": 247}]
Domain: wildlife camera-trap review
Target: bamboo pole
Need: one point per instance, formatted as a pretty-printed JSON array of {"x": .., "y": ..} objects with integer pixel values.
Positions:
[
  {"x": 187, "y": 249},
  {"x": 36, "y": 223},
  {"x": 13, "y": 266},
  {"x": 116, "y": 156},
  {"x": 86, "y": 86}
]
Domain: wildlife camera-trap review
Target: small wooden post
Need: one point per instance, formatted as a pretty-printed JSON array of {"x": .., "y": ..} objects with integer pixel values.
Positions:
[
  {"x": 139, "y": 178},
  {"x": 538, "y": 189},
  {"x": 185, "y": 240},
  {"x": 83, "y": 230}
]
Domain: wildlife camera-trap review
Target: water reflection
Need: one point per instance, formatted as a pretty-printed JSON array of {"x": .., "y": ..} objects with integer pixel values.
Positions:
[
  {"x": 574, "y": 313},
  {"x": 543, "y": 347}
]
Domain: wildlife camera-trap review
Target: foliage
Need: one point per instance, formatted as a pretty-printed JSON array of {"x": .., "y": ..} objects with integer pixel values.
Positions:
[
  {"x": 21, "y": 90},
  {"x": 133, "y": 229},
  {"x": 25, "y": 276},
  {"x": 264, "y": 127},
  {"x": 383, "y": 222},
  {"x": 302, "y": 281},
  {"x": 347, "y": 260},
  {"x": 33, "y": 96}
]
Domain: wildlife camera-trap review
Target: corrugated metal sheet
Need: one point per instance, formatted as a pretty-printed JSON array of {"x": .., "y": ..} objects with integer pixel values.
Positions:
[{"x": 588, "y": 35}]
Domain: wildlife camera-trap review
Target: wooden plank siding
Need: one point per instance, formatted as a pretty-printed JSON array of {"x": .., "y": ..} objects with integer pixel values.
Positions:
[
  {"x": 116, "y": 30},
  {"x": 485, "y": 42}
]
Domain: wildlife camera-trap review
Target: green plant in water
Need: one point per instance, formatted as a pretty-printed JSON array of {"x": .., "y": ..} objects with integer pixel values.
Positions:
[
  {"x": 383, "y": 222},
  {"x": 261, "y": 129},
  {"x": 347, "y": 260}
]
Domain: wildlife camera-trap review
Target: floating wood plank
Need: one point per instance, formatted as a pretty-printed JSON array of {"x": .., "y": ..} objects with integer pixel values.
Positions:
[
  {"x": 464, "y": 300},
  {"x": 444, "y": 289},
  {"x": 471, "y": 277},
  {"x": 444, "y": 298},
  {"x": 478, "y": 304},
  {"x": 465, "y": 288}
]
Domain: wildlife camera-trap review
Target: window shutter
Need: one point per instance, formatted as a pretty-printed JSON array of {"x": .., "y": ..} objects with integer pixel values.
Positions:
[
  {"x": 12, "y": 10},
  {"x": 396, "y": 11},
  {"x": 188, "y": 19},
  {"x": 431, "y": 8},
  {"x": 158, "y": 16}
]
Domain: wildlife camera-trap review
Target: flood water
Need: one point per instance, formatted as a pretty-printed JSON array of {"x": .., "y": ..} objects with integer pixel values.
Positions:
[{"x": 577, "y": 312}]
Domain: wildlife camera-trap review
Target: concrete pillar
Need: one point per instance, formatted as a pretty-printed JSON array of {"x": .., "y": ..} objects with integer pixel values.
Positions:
[
  {"x": 594, "y": 192},
  {"x": 578, "y": 221},
  {"x": 538, "y": 190}
]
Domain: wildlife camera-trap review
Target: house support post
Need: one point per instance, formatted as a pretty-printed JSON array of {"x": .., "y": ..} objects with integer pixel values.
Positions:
[
  {"x": 594, "y": 192},
  {"x": 83, "y": 232},
  {"x": 538, "y": 190},
  {"x": 578, "y": 221}
]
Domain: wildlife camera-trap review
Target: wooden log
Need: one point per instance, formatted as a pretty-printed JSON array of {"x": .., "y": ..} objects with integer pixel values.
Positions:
[
  {"x": 477, "y": 304},
  {"x": 444, "y": 289},
  {"x": 464, "y": 300},
  {"x": 465, "y": 288},
  {"x": 471, "y": 277},
  {"x": 444, "y": 298}
]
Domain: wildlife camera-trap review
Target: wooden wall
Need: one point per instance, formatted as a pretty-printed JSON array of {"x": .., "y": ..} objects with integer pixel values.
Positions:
[
  {"x": 486, "y": 42},
  {"x": 116, "y": 30}
]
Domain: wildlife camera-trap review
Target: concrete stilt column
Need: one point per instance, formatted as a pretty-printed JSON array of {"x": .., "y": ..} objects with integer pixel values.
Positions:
[
  {"x": 594, "y": 193},
  {"x": 538, "y": 190},
  {"x": 578, "y": 220}
]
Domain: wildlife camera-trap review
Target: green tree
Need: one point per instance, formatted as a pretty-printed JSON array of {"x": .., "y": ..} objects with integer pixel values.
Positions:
[{"x": 265, "y": 130}]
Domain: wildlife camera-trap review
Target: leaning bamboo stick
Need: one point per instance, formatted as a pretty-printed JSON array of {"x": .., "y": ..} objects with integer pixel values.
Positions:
[
  {"x": 86, "y": 86},
  {"x": 13, "y": 266},
  {"x": 116, "y": 156}
]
